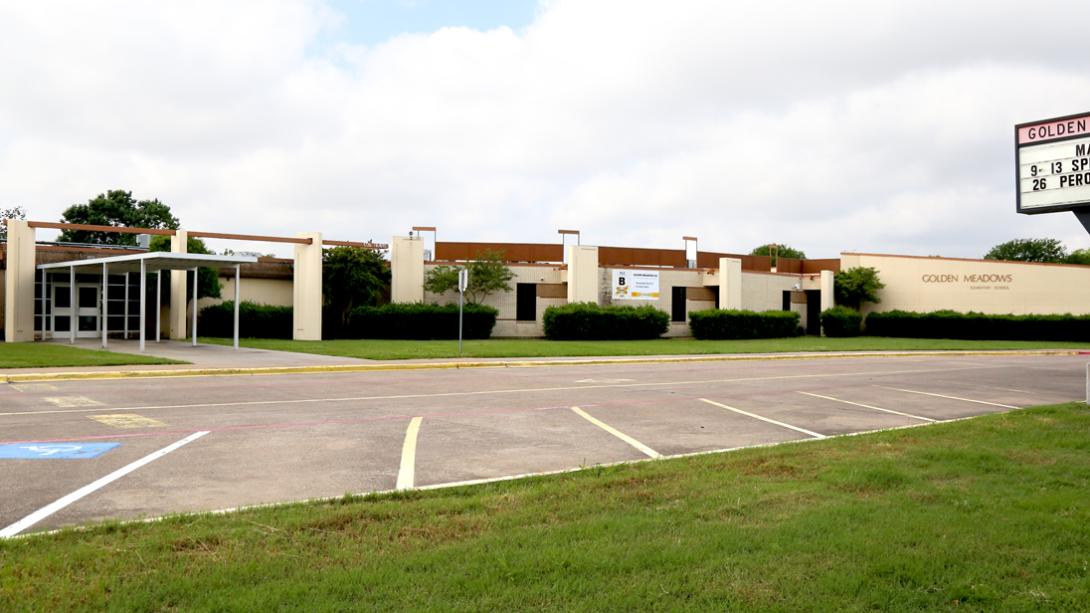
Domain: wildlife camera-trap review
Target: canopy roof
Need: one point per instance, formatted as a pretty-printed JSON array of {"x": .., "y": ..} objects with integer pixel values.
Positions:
[{"x": 155, "y": 261}]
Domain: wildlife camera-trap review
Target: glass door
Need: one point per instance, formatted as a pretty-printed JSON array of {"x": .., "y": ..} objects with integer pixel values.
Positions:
[{"x": 87, "y": 306}]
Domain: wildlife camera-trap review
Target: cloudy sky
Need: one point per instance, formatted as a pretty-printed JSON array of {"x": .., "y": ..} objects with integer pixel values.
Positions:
[{"x": 830, "y": 126}]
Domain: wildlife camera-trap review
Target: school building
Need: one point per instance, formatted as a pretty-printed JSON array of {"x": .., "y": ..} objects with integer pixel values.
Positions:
[{"x": 38, "y": 301}]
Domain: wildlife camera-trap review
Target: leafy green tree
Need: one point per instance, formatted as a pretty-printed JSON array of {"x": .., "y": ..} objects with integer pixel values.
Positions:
[
  {"x": 778, "y": 251},
  {"x": 1029, "y": 250},
  {"x": 353, "y": 277},
  {"x": 854, "y": 286},
  {"x": 487, "y": 275},
  {"x": 15, "y": 212},
  {"x": 1079, "y": 256},
  {"x": 208, "y": 280},
  {"x": 115, "y": 208}
]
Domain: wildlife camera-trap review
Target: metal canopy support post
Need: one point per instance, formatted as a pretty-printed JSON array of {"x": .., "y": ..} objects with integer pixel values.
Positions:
[
  {"x": 143, "y": 298},
  {"x": 158, "y": 302},
  {"x": 194, "y": 299},
  {"x": 238, "y": 279},
  {"x": 43, "y": 304},
  {"x": 125, "y": 328},
  {"x": 73, "y": 306},
  {"x": 104, "y": 325}
]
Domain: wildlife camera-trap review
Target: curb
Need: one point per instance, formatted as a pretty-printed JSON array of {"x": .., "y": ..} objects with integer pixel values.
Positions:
[{"x": 350, "y": 368}]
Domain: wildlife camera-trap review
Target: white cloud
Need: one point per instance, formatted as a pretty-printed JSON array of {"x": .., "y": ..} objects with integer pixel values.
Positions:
[{"x": 880, "y": 126}]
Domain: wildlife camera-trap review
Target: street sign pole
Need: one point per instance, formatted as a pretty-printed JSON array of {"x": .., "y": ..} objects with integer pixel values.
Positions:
[{"x": 463, "y": 282}]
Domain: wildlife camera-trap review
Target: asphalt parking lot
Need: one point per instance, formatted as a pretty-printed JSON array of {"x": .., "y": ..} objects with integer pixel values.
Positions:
[{"x": 74, "y": 452}]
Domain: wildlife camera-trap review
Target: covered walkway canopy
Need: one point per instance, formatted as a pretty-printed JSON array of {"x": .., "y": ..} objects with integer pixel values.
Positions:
[{"x": 144, "y": 263}]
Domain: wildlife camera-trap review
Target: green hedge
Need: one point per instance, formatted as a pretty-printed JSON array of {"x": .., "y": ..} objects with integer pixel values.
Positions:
[
  {"x": 952, "y": 324},
  {"x": 589, "y": 321},
  {"x": 420, "y": 321},
  {"x": 841, "y": 321},
  {"x": 254, "y": 320},
  {"x": 737, "y": 324}
]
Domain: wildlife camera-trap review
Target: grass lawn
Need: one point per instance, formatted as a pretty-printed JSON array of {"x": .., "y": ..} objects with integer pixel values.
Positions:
[
  {"x": 37, "y": 355},
  {"x": 986, "y": 514},
  {"x": 510, "y": 347}
]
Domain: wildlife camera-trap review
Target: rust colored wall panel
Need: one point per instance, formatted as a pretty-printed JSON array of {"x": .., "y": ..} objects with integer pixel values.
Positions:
[
  {"x": 512, "y": 252},
  {"x": 812, "y": 267},
  {"x": 552, "y": 290}
]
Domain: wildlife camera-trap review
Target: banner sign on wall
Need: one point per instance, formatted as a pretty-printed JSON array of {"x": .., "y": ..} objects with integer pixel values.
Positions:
[{"x": 635, "y": 285}]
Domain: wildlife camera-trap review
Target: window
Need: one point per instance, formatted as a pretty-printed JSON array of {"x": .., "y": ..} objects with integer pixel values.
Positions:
[
  {"x": 677, "y": 304},
  {"x": 526, "y": 302}
]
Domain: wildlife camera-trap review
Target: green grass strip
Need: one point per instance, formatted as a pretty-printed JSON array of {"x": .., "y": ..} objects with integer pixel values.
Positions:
[
  {"x": 540, "y": 348},
  {"x": 979, "y": 515},
  {"x": 38, "y": 355}
]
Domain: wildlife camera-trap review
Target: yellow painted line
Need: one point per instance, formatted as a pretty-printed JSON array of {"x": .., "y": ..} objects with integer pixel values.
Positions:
[
  {"x": 524, "y": 390},
  {"x": 406, "y": 475},
  {"x": 867, "y": 406},
  {"x": 644, "y": 449},
  {"x": 69, "y": 402},
  {"x": 993, "y": 404},
  {"x": 764, "y": 419},
  {"x": 127, "y": 420},
  {"x": 349, "y": 368}
]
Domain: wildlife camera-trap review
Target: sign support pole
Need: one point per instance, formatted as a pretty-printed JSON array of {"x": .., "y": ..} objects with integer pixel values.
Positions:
[
  {"x": 463, "y": 283},
  {"x": 1083, "y": 216}
]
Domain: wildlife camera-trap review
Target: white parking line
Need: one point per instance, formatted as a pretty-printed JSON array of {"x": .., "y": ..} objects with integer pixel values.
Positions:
[
  {"x": 406, "y": 475},
  {"x": 647, "y": 451},
  {"x": 765, "y": 419},
  {"x": 867, "y": 406},
  {"x": 90, "y": 488},
  {"x": 993, "y": 404}
]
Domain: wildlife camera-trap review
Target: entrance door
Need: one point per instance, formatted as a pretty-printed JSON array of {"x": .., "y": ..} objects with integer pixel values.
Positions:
[
  {"x": 813, "y": 311},
  {"x": 88, "y": 296}
]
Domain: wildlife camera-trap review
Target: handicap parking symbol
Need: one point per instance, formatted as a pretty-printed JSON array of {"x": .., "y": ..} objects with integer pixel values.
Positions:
[{"x": 54, "y": 451}]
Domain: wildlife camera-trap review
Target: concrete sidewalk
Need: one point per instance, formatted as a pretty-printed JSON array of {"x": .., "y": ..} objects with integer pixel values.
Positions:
[{"x": 223, "y": 360}]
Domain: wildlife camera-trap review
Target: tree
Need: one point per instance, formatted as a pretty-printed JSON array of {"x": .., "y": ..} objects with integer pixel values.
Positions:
[
  {"x": 778, "y": 251},
  {"x": 487, "y": 275},
  {"x": 1079, "y": 256},
  {"x": 353, "y": 277},
  {"x": 15, "y": 212},
  {"x": 208, "y": 280},
  {"x": 1029, "y": 250},
  {"x": 115, "y": 208},
  {"x": 854, "y": 286}
]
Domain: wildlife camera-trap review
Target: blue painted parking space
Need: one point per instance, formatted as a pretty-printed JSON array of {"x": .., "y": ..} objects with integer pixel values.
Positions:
[{"x": 54, "y": 451}]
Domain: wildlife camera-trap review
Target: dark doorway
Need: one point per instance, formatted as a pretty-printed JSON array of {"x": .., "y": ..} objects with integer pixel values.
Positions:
[
  {"x": 526, "y": 302},
  {"x": 677, "y": 304},
  {"x": 813, "y": 311},
  {"x": 786, "y": 301}
]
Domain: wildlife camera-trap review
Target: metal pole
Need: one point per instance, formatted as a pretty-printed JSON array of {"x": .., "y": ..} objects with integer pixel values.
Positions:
[
  {"x": 125, "y": 329},
  {"x": 460, "y": 294},
  {"x": 143, "y": 298},
  {"x": 104, "y": 325},
  {"x": 158, "y": 302},
  {"x": 238, "y": 293},
  {"x": 42, "y": 301},
  {"x": 73, "y": 306},
  {"x": 194, "y": 307}
]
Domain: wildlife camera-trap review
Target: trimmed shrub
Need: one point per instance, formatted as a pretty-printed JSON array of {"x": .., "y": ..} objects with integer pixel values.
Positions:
[
  {"x": 738, "y": 324},
  {"x": 420, "y": 321},
  {"x": 254, "y": 320},
  {"x": 589, "y": 321},
  {"x": 841, "y": 321},
  {"x": 979, "y": 326}
]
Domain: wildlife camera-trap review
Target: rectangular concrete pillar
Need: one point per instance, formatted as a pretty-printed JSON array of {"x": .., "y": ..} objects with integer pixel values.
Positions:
[
  {"x": 19, "y": 283},
  {"x": 582, "y": 273},
  {"x": 176, "y": 320},
  {"x": 730, "y": 283},
  {"x": 407, "y": 269},
  {"x": 828, "y": 298},
  {"x": 306, "y": 314}
]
